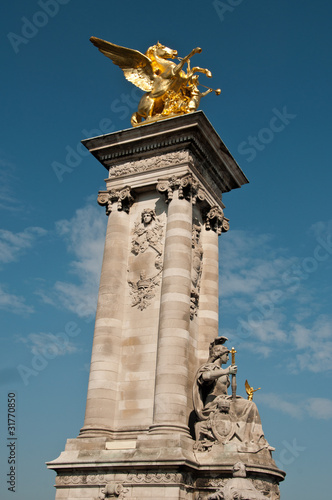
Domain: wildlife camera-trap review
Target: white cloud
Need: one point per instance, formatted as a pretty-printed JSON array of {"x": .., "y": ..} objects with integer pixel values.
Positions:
[
  {"x": 276, "y": 402},
  {"x": 84, "y": 235},
  {"x": 299, "y": 407},
  {"x": 48, "y": 344},
  {"x": 319, "y": 408},
  {"x": 12, "y": 245},
  {"x": 314, "y": 344},
  {"x": 272, "y": 300},
  {"x": 13, "y": 303}
]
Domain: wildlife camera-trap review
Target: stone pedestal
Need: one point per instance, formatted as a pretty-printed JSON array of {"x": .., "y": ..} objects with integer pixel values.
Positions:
[{"x": 157, "y": 313}]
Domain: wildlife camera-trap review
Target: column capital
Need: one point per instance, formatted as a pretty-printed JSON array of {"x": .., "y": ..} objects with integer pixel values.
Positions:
[
  {"x": 123, "y": 198},
  {"x": 215, "y": 220},
  {"x": 188, "y": 186}
]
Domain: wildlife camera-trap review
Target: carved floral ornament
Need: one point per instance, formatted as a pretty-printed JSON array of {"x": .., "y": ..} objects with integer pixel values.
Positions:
[{"x": 122, "y": 197}]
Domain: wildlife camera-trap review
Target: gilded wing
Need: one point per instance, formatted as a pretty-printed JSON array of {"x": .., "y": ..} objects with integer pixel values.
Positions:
[
  {"x": 248, "y": 388},
  {"x": 135, "y": 65}
]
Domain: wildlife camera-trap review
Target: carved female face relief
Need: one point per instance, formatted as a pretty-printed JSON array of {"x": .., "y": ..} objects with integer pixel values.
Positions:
[{"x": 147, "y": 218}]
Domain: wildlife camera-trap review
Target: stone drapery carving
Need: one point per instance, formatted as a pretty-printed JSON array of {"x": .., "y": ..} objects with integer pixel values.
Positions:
[
  {"x": 147, "y": 247},
  {"x": 215, "y": 220},
  {"x": 122, "y": 197},
  {"x": 187, "y": 185},
  {"x": 151, "y": 163},
  {"x": 196, "y": 270},
  {"x": 232, "y": 425}
]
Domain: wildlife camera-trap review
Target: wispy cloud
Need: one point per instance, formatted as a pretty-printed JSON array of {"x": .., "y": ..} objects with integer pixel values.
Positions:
[
  {"x": 12, "y": 245},
  {"x": 47, "y": 344},
  {"x": 299, "y": 407},
  {"x": 84, "y": 235},
  {"x": 13, "y": 303},
  {"x": 314, "y": 343},
  {"x": 268, "y": 298}
]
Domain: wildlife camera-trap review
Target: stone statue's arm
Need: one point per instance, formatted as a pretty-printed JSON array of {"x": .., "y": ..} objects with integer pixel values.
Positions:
[{"x": 211, "y": 375}]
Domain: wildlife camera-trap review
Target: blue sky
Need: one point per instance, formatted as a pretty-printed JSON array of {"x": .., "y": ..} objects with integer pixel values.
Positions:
[{"x": 272, "y": 61}]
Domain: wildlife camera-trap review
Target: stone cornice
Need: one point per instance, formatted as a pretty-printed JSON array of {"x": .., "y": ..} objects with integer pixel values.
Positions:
[{"x": 192, "y": 132}]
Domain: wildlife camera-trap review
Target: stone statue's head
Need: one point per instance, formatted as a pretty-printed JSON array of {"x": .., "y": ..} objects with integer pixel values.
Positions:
[
  {"x": 217, "y": 351},
  {"x": 239, "y": 470},
  {"x": 148, "y": 215}
]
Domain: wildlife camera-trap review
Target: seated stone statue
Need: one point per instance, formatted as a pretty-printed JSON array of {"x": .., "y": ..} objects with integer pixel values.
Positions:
[{"x": 233, "y": 423}]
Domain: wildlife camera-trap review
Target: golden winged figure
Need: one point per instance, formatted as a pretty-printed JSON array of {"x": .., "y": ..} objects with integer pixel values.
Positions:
[
  {"x": 250, "y": 390},
  {"x": 170, "y": 91}
]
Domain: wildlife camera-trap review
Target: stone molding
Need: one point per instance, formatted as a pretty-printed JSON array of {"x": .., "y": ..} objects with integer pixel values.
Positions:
[
  {"x": 151, "y": 146},
  {"x": 123, "y": 198},
  {"x": 125, "y": 479},
  {"x": 116, "y": 484}
]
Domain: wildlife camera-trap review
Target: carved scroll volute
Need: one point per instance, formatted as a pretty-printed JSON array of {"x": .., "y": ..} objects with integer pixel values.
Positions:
[
  {"x": 113, "y": 490},
  {"x": 123, "y": 198},
  {"x": 188, "y": 188},
  {"x": 216, "y": 221}
]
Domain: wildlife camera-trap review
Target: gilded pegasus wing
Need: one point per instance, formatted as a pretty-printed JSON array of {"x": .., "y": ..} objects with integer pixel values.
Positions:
[
  {"x": 136, "y": 66},
  {"x": 247, "y": 386}
]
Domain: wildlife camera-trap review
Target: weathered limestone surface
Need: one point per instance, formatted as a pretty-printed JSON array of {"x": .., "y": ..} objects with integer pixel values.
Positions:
[{"x": 157, "y": 313}]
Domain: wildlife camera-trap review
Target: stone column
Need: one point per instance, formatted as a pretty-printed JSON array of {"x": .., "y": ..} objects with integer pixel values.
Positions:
[
  {"x": 209, "y": 294},
  {"x": 106, "y": 350},
  {"x": 215, "y": 224},
  {"x": 171, "y": 388}
]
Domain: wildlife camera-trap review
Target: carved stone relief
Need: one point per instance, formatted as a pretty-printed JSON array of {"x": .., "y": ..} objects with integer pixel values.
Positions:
[
  {"x": 113, "y": 490},
  {"x": 196, "y": 270},
  {"x": 146, "y": 266},
  {"x": 238, "y": 487},
  {"x": 152, "y": 163},
  {"x": 122, "y": 197}
]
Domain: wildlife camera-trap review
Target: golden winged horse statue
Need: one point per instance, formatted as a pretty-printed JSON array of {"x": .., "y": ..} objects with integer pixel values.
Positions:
[{"x": 170, "y": 91}]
